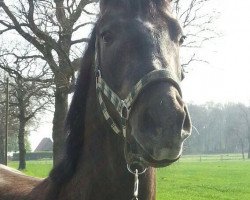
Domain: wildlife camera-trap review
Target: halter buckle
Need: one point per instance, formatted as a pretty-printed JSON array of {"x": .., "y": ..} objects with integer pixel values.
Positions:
[
  {"x": 124, "y": 111},
  {"x": 97, "y": 73}
]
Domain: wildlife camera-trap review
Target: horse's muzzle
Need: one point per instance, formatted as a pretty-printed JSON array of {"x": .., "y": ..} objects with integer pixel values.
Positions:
[{"x": 158, "y": 127}]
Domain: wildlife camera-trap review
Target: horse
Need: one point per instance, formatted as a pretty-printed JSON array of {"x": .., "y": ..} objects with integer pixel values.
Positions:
[{"x": 127, "y": 116}]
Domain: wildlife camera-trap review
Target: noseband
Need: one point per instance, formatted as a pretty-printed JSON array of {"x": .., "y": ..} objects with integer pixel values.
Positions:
[{"x": 124, "y": 106}]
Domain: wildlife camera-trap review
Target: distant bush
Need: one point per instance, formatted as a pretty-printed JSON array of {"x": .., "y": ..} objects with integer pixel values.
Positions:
[{"x": 35, "y": 155}]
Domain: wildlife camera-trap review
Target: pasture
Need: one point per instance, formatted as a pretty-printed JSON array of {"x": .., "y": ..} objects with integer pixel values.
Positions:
[{"x": 217, "y": 177}]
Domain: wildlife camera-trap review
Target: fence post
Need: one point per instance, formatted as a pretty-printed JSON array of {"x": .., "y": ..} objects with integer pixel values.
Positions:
[{"x": 6, "y": 122}]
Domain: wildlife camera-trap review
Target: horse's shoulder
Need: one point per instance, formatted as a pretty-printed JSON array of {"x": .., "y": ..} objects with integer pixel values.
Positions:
[{"x": 14, "y": 183}]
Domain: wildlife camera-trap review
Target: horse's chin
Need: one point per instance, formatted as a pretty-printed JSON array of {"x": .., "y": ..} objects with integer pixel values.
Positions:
[{"x": 139, "y": 158}]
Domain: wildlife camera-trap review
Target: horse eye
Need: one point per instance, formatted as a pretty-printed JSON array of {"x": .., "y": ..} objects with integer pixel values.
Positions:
[
  {"x": 107, "y": 37},
  {"x": 182, "y": 39}
]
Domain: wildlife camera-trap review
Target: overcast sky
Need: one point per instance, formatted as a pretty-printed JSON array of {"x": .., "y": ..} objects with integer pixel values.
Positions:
[{"x": 227, "y": 76}]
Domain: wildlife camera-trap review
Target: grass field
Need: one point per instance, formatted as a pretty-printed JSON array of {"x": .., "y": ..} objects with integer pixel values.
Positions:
[
  {"x": 192, "y": 178},
  {"x": 228, "y": 180},
  {"x": 35, "y": 168}
]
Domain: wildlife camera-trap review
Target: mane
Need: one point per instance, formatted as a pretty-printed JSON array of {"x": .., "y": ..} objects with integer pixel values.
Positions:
[{"x": 74, "y": 122}]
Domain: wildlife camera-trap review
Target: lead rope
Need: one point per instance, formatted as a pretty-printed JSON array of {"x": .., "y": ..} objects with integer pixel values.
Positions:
[
  {"x": 136, "y": 185},
  {"x": 136, "y": 174}
]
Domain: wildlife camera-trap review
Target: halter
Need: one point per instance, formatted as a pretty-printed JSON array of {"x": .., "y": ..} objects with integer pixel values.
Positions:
[{"x": 124, "y": 106}]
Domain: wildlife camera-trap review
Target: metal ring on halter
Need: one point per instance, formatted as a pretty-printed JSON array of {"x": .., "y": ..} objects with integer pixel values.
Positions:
[
  {"x": 98, "y": 73},
  {"x": 133, "y": 172},
  {"x": 97, "y": 76},
  {"x": 124, "y": 111}
]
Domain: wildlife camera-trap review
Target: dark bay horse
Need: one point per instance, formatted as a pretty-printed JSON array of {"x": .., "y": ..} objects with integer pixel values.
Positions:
[{"x": 127, "y": 111}]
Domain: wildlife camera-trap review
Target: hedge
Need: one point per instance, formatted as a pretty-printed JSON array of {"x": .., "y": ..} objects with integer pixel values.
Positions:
[{"x": 35, "y": 155}]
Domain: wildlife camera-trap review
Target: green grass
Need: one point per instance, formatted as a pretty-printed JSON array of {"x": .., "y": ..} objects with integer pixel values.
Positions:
[
  {"x": 219, "y": 180},
  {"x": 39, "y": 168},
  {"x": 189, "y": 179}
]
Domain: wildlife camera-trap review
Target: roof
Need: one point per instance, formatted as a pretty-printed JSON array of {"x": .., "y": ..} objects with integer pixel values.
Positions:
[{"x": 46, "y": 144}]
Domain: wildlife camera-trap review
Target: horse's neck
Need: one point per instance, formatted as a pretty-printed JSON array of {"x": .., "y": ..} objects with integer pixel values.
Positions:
[{"x": 102, "y": 172}]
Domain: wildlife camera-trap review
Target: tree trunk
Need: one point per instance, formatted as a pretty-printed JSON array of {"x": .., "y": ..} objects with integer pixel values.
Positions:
[
  {"x": 248, "y": 152},
  {"x": 242, "y": 148},
  {"x": 2, "y": 146},
  {"x": 59, "y": 133},
  {"x": 248, "y": 147},
  {"x": 21, "y": 142}
]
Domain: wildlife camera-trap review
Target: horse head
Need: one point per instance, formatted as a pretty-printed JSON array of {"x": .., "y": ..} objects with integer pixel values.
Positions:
[{"x": 137, "y": 54}]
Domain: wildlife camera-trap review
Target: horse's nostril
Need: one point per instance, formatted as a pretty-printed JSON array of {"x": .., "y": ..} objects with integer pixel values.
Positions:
[
  {"x": 187, "y": 122},
  {"x": 155, "y": 126},
  {"x": 149, "y": 126}
]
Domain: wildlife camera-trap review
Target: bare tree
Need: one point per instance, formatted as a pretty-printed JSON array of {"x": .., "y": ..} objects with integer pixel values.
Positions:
[
  {"x": 49, "y": 27},
  {"x": 2, "y": 132},
  {"x": 246, "y": 117},
  {"x": 29, "y": 94},
  {"x": 197, "y": 18},
  {"x": 2, "y": 157},
  {"x": 12, "y": 123}
]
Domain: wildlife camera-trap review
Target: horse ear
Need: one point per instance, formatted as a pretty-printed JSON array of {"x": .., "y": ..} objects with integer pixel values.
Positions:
[{"x": 102, "y": 5}]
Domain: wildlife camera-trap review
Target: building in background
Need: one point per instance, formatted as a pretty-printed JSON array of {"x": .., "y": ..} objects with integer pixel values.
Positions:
[{"x": 46, "y": 144}]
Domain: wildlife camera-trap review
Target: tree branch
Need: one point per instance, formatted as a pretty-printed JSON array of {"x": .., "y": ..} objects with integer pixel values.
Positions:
[
  {"x": 42, "y": 35},
  {"x": 82, "y": 25},
  {"x": 19, "y": 29},
  {"x": 80, "y": 41}
]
